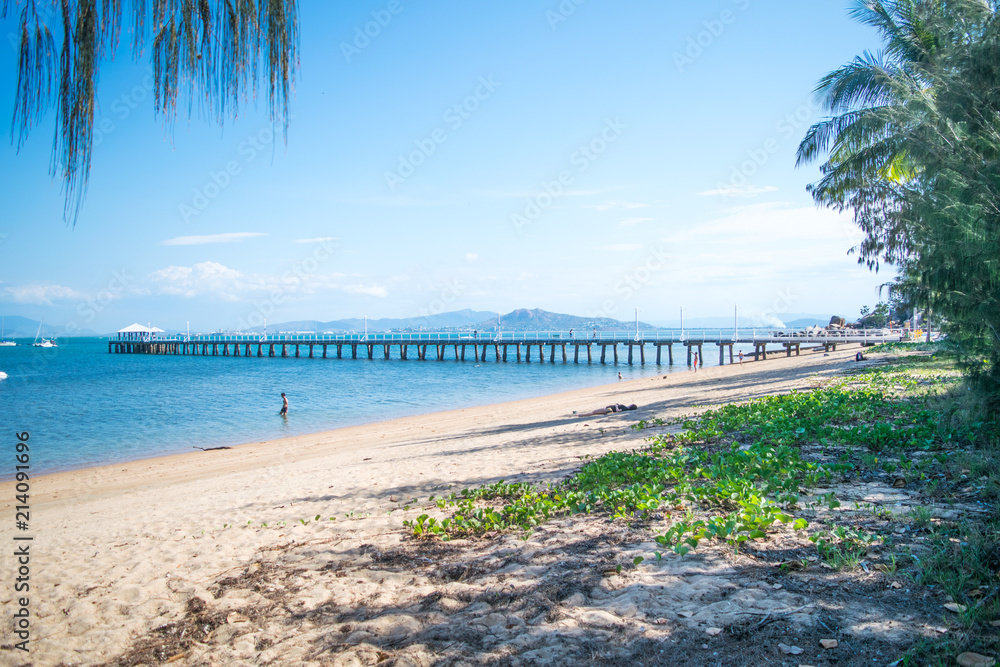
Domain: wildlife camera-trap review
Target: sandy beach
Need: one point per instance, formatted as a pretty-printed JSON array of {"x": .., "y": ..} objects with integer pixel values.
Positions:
[{"x": 237, "y": 547}]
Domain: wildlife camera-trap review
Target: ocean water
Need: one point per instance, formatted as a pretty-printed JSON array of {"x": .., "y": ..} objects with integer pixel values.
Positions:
[{"x": 84, "y": 407}]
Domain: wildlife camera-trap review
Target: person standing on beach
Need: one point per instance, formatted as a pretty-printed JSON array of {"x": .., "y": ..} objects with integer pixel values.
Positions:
[
  {"x": 619, "y": 376},
  {"x": 284, "y": 405},
  {"x": 695, "y": 362},
  {"x": 741, "y": 356}
]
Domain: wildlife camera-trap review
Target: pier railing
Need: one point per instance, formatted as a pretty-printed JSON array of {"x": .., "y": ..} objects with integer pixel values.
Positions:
[
  {"x": 748, "y": 336},
  {"x": 504, "y": 345}
]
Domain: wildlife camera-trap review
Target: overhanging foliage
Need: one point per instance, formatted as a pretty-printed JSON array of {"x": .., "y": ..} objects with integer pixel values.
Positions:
[{"x": 217, "y": 52}]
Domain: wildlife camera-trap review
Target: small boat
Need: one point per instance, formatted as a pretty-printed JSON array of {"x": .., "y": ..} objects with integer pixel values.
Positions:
[
  {"x": 3, "y": 376},
  {"x": 3, "y": 341},
  {"x": 44, "y": 341}
]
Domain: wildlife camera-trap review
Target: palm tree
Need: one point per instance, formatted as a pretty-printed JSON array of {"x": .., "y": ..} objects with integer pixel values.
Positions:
[
  {"x": 218, "y": 51},
  {"x": 877, "y": 102},
  {"x": 913, "y": 149}
]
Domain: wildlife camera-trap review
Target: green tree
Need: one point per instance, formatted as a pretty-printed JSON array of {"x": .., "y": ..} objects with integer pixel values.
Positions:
[
  {"x": 215, "y": 52},
  {"x": 901, "y": 307},
  {"x": 875, "y": 319},
  {"x": 912, "y": 148}
]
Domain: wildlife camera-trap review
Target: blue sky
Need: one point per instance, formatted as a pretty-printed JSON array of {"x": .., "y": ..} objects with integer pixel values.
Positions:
[{"x": 580, "y": 156}]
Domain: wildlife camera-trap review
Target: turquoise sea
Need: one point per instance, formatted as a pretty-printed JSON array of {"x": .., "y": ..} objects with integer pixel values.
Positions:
[{"x": 84, "y": 407}]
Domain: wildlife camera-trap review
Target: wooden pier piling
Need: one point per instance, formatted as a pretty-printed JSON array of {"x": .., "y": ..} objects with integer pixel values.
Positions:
[{"x": 299, "y": 346}]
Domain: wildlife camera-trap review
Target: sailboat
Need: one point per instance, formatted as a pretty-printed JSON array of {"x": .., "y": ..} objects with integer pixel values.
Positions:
[
  {"x": 44, "y": 342},
  {"x": 3, "y": 341}
]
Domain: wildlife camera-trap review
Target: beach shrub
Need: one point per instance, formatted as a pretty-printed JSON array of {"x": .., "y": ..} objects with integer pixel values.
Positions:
[{"x": 736, "y": 471}]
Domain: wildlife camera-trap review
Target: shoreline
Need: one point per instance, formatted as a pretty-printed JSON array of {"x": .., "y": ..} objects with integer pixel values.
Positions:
[
  {"x": 232, "y": 458},
  {"x": 120, "y": 550},
  {"x": 243, "y": 414}
]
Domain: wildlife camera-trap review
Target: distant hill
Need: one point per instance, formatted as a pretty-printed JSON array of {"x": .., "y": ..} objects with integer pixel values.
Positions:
[
  {"x": 542, "y": 320},
  {"x": 15, "y": 326},
  {"x": 442, "y": 321},
  {"x": 464, "y": 320}
]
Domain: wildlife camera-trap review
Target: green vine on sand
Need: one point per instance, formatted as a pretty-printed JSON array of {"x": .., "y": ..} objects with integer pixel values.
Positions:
[{"x": 740, "y": 463}]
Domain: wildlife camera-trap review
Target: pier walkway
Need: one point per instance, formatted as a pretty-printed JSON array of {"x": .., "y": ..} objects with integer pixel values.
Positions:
[{"x": 543, "y": 346}]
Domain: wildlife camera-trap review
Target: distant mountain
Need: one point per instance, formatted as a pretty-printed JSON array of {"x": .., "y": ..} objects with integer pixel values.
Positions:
[
  {"x": 455, "y": 319},
  {"x": 15, "y": 326},
  {"x": 464, "y": 320},
  {"x": 542, "y": 320}
]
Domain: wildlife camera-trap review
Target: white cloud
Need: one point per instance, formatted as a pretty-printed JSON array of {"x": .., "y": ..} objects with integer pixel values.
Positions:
[
  {"x": 204, "y": 279},
  {"x": 172, "y": 274},
  {"x": 40, "y": 294},
  {"x": 733, "y": 191},
  {"x": 623, "y": 247},
  {"x": 471, "y": 257},
  {"x": 760, "y": 242},
  {"x": 214, "y": 280},
  {"x": 633, "y": 221},
  {"x": 368, "y": 290},
  {"x": 230, "y": 237}
]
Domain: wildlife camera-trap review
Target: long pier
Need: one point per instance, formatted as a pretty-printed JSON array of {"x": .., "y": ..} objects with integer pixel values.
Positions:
[{"x": 503, "y": 347}]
